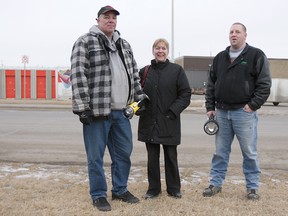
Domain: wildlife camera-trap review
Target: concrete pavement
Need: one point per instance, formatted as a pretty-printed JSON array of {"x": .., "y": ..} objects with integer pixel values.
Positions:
[{"x": 196, "y": 104}]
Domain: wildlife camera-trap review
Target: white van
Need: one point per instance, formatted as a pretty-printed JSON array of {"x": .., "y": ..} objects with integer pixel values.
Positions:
[{"x": 279, "y": 91}]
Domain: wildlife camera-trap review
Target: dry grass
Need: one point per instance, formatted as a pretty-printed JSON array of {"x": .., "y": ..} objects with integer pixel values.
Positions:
[{"x": 41, "y": 189}]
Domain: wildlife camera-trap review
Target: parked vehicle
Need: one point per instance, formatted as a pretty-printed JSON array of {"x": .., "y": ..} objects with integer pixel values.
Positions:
[{"x": 279, "y": 91}]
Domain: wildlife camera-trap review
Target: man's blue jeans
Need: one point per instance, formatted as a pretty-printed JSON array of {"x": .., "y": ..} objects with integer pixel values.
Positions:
[
  {"x": 115, "y": 132},
  {"x": 244, "y": 125}
]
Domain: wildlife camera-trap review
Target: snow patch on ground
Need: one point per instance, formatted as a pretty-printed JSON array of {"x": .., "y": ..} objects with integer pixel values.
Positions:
[{"x": 79, "y": 174}]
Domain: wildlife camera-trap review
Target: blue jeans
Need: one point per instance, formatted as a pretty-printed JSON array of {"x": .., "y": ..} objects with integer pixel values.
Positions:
[
  {"x": 244, "y": 126},
  {"x": 115, "y": 132}
]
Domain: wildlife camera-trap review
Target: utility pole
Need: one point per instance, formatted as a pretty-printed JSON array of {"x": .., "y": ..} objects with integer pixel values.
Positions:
[
  {"x": 25, "y": 60},
  {"x": 172, "y": 33}
]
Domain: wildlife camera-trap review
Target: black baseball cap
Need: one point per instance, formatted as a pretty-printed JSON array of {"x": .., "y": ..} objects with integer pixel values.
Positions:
[{"x": 107, "y": 8}]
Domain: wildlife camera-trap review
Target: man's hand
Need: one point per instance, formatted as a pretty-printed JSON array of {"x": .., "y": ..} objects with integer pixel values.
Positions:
[
  {"x": 246, "y": 108},
  {"x": 142, "y": 107},
  {"x": 211, "y": 114},
  {"x": 85, "y": 117}
]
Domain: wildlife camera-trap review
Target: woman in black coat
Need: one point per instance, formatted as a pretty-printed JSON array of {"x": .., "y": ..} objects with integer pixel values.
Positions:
[{"x": 169, "y": 92}]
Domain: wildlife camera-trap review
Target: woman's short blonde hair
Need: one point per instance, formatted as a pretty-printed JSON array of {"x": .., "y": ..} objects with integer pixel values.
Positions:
[{"x": 159, "y": 40}]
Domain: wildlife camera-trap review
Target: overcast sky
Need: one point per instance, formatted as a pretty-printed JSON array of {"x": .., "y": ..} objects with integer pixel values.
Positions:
[{"x": 45, "y": 30}]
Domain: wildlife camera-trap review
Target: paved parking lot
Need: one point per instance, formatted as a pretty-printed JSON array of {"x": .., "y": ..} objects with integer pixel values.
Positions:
[{"x": 52, "y": 134}]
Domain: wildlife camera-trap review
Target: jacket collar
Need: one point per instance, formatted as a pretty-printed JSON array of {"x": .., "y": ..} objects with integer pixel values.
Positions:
[
  {"x": 244, "y": 50},
  {"x": 159, "y": 65}
]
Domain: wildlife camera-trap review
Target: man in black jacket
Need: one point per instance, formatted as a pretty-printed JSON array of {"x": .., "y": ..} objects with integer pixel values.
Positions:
[{"x": 238, "y": 85}]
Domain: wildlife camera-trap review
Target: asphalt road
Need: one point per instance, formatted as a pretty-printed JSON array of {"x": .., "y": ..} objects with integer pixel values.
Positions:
[{"x": 54, "y": 136}]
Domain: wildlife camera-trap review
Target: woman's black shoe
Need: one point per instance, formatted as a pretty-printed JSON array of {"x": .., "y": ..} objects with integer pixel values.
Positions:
[
  {"x": 151, "y": 196},
  {"x": 176, "y": 195}
]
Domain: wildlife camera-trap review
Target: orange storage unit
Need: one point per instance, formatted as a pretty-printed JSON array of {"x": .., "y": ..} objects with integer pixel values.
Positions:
[
  {"x": 10, "y": 83},
  {"x": 53, "y": 83},
  {"x": 41, "y": 83},
  {"x": 45, "y": 84},
  {"x": 28, "y": 84}
]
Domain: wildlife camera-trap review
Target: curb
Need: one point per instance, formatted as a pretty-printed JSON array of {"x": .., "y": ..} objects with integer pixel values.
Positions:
[{"x": 66, "y": 105}]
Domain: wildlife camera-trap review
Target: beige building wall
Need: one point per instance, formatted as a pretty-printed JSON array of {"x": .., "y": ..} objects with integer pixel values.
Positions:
[{"x": 279, "y": 68}]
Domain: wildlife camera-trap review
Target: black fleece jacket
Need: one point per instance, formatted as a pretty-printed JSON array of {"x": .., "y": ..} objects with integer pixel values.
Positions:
[{"x": 246, "y": 80}]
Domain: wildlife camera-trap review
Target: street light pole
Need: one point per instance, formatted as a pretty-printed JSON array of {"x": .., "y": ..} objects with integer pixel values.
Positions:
[
  {"x": 172, "y": 32},
  {"x": 25, "y": 60}
]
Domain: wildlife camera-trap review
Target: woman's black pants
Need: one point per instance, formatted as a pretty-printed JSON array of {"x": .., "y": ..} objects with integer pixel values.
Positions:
[{"x": 172, "y": 176}]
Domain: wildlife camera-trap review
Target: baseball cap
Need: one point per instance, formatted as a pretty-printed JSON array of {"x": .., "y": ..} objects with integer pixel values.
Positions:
[{"x": 107, "y": 8}]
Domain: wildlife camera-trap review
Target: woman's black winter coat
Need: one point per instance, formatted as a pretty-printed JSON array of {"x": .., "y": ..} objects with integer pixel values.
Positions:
[{"x": 168, "y": 89}]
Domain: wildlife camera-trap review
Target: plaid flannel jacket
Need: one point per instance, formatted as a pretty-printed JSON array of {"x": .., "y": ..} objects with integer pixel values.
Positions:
[{"x": 91, "y": 75}]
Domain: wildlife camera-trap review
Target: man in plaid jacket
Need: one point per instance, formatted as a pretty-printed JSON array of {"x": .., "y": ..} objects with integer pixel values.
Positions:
[{"x": 105, "y": 79}]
